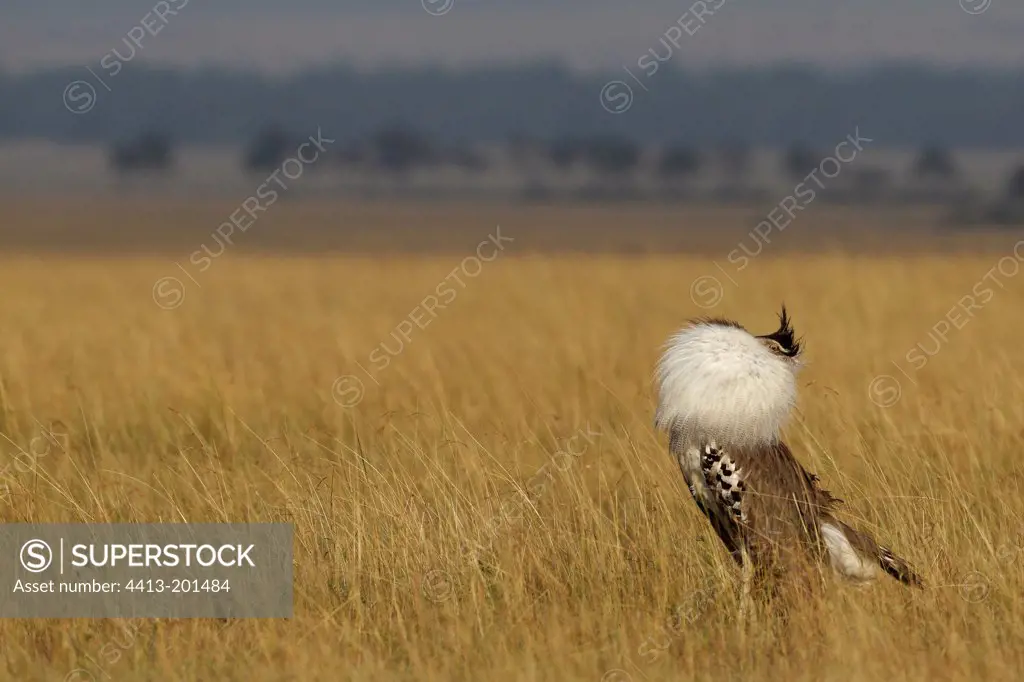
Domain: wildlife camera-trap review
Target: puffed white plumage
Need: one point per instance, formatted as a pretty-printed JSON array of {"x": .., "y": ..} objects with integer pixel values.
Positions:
[{"x": 719, "y": 382}]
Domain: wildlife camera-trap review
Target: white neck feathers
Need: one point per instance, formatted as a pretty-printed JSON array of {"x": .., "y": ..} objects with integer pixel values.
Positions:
[{"x": 718, "y": 382}]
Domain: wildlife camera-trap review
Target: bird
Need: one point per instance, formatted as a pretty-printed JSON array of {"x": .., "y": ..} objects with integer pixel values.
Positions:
[{"x": 724, "y": 396}]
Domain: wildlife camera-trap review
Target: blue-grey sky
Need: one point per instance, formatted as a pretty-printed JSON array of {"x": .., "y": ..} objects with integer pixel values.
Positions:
[{"x": 280, "y": 36}]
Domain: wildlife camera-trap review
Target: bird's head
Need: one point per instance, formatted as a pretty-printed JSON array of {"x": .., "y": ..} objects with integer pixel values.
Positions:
[
  {"x": 719, "y": 381},
  {"x": 783, "y": 343}
]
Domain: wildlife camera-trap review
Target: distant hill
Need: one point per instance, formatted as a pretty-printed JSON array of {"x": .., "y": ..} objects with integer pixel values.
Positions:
[{"x": 900, "y": 106}]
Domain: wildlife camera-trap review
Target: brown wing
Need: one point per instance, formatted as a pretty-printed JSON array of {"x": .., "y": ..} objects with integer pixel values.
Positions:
[{"x": 766, "y": 502}]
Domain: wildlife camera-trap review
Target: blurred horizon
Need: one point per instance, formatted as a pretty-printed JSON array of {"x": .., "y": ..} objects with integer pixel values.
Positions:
[
  {"x": 696, "y": 72},
  {"x": 904, "y": 106},
  {"x": 700, "y": 98},
  {"x": 594, "y": 36}
]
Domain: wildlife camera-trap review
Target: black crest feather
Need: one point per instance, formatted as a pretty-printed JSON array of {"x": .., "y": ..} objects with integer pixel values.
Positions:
[{"x": 785, "y": 336}]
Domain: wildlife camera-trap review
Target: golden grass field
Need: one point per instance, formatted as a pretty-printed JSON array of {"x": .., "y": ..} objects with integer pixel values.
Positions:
[{"x": 499, "y": 507}]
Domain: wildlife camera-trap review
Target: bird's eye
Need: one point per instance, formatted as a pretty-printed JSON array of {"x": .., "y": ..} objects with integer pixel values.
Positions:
[{"x": 774, "y": 346}]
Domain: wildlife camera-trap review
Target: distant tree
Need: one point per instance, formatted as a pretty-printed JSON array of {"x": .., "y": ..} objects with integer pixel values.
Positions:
[
  {"x": 1015, "y": 187},
  {"x": 399, "y": 150},
  {"x": 679, "y": 163},
  {"x": 870, "y": 183},
  {"x": 871, "y": 180},
  {"x": 1007, "y": 210},
  {"x": 799, "y": 160},
  {"x": 735, "y": 159},
  {"x": 268, "y": 150},
  {"x": 466, "y": 158},
  {"x": 519, "y": 145},
  {"x": 935, "y": 163},
  {"x": 354, "y": 154},
  {"x": 150, "y": 151},
  {"x": 611, "y": 156},
  {"x": 565, "y": 153},
  {"x": 527, "y": 154}
]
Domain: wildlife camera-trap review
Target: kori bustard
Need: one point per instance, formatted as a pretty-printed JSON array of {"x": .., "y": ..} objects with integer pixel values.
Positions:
[{"x": 724, "y": 395}]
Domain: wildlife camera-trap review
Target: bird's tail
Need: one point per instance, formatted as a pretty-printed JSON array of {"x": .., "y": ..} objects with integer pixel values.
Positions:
[
  {"x": 851, "y": 552},
  {"x": 898, "y": 568}
]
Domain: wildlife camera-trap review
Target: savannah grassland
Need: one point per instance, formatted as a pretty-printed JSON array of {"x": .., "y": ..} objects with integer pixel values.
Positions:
[{"x": 499, "y": 507}]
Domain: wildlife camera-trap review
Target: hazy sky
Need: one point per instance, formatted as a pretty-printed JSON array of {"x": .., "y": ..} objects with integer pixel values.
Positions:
[{"x": 281, "y": 35}]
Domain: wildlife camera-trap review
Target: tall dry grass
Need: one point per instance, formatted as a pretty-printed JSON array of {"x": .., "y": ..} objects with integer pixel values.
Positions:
[{"x": 500, "y": 507}]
